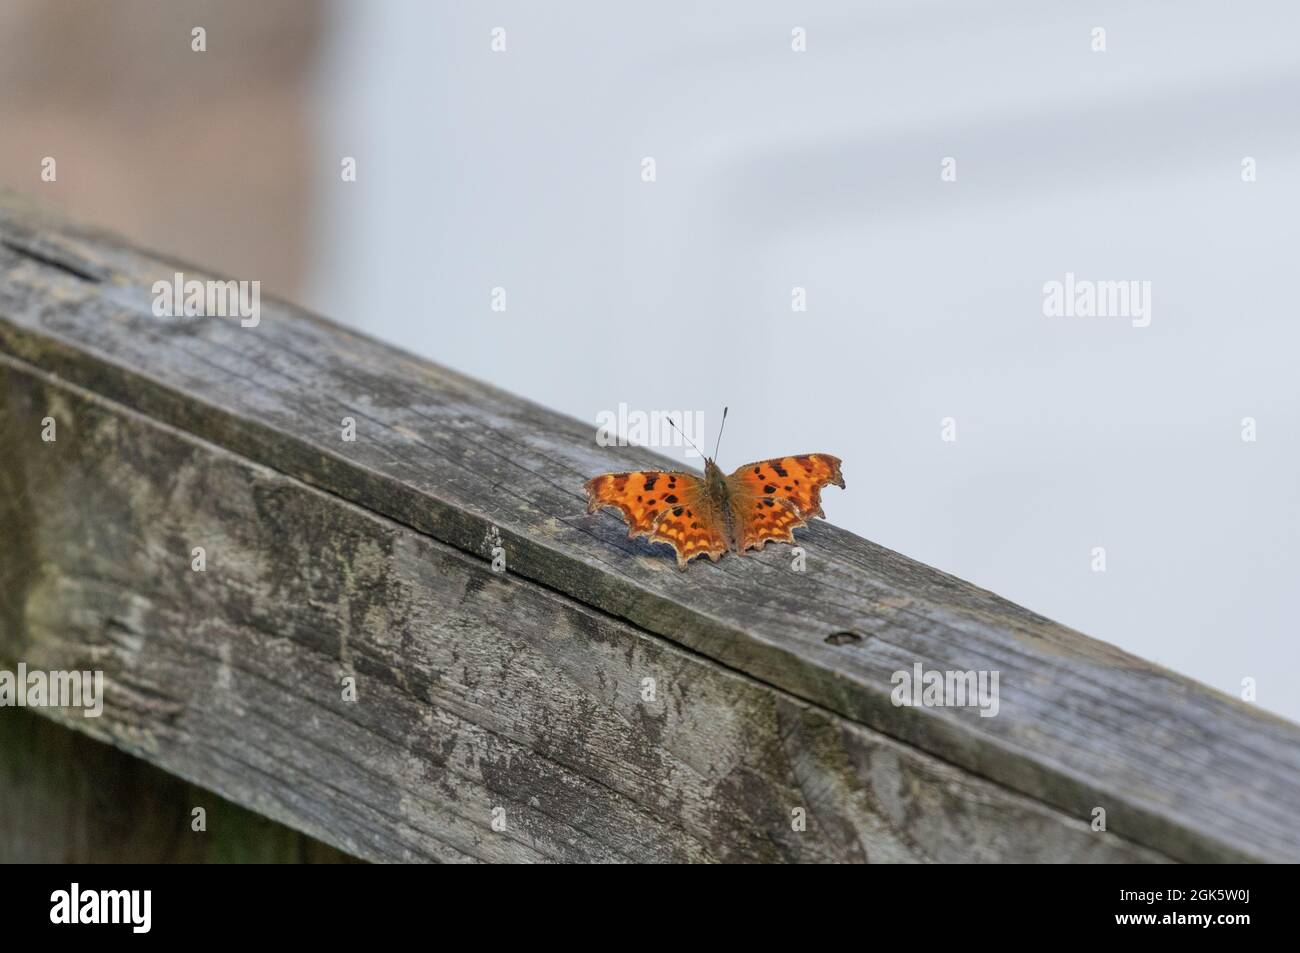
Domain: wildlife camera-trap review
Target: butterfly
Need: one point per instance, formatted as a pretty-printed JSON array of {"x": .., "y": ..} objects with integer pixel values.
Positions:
[{"x": 709, "y": 515}]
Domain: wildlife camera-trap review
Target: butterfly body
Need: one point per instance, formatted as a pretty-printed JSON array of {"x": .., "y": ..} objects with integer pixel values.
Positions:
[
  {"x": 718, "y": 502},
  {"x": 717, "y": 513}
]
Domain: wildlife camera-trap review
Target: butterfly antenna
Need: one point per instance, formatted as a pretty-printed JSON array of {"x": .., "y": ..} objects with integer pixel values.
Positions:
[
  {"x": 723, "y": 424},
  {"x": 684, "y": 437}
]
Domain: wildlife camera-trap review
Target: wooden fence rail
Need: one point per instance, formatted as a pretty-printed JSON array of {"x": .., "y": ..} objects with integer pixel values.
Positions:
[{"x": 349, "y": 664}]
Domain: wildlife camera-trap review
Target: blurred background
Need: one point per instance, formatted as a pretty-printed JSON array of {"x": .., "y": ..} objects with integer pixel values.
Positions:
[{"x": 522, "y": 168}]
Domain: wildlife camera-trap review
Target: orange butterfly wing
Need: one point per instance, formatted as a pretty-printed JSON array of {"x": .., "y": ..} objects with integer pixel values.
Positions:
[
  {"x": 666, "y": 506},
  {"x": 771, "y": 498}
]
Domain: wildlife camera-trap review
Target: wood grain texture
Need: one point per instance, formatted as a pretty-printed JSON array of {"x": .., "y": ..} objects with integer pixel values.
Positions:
[
  {"x": 475, "y": 690},
  {"x": 68, "y": 799},
  {"x": 1179, "y": 768}
]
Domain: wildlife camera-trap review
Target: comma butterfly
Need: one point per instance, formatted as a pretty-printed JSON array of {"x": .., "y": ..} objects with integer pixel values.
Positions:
[{"x": 712, "y": 514}]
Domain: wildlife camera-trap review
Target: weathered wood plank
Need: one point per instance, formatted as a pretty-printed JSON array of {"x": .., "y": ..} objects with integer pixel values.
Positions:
[
  {"x": 68, "y": 799},
  {"x": 475, "y": 690},
  {"x": 1181, "y": 768}
]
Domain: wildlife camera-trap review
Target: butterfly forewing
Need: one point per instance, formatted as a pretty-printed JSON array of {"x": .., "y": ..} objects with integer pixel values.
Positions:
[{"x": 798, "y": 479}]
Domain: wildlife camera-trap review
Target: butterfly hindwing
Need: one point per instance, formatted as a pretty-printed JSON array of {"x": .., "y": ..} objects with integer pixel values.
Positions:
[
  {"x": 669, "y": 507},
  {"x": 758, "y": 520},
  {"x": 770, "y": 498},
  {"x": 690, "y": 533}
]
